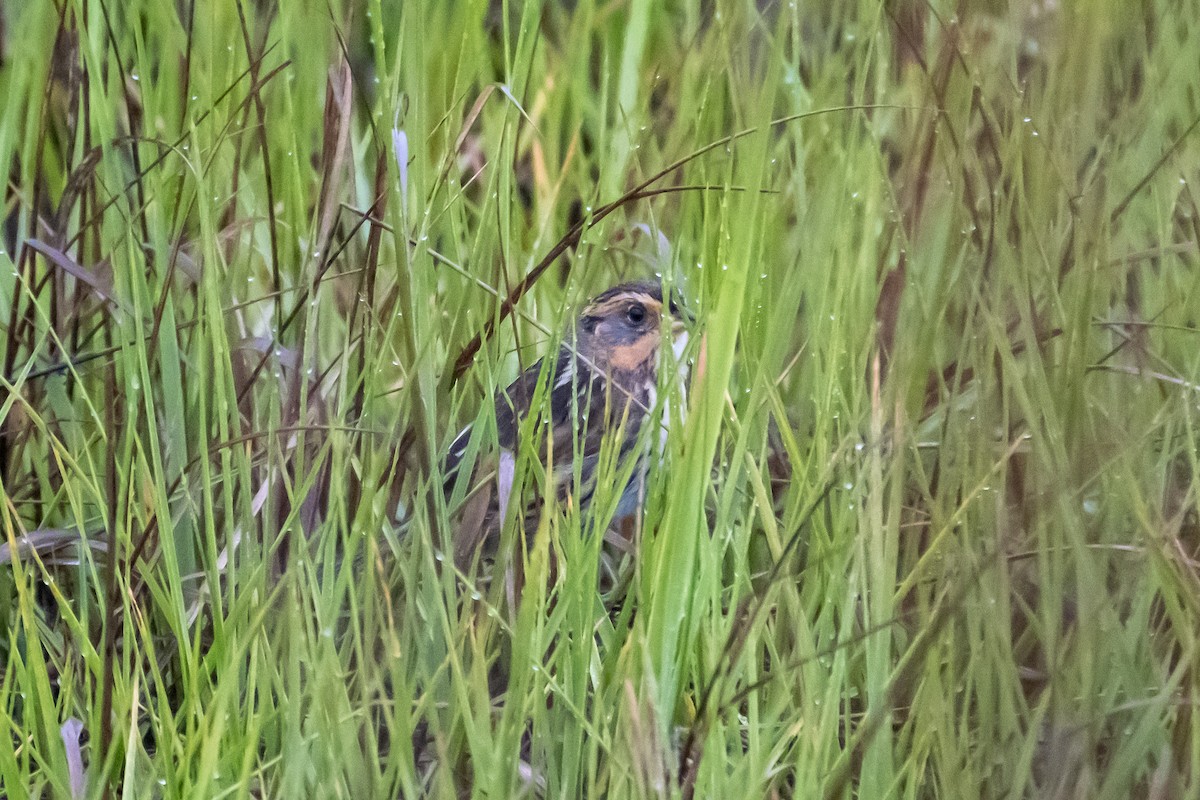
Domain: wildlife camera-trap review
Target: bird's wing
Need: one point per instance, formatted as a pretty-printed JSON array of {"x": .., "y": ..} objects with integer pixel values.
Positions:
[
  {"x": 576, "y": 423},
  {"x": 511, "y": 407},
  {"x": 515, "y": 402}
]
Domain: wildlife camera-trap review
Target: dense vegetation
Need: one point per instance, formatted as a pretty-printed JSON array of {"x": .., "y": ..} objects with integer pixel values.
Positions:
[{"x": 929, "y": 529}]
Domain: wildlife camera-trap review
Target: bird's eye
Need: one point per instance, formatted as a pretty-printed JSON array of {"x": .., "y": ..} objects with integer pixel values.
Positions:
[{"x": 636, "y": 314}]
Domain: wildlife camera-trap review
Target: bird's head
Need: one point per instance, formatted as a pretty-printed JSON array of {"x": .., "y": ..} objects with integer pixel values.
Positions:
[{"x": 620, "y": 331}]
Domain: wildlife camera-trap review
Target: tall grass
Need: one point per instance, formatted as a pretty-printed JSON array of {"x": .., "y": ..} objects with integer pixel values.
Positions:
[{"x": 928, "y": 529}]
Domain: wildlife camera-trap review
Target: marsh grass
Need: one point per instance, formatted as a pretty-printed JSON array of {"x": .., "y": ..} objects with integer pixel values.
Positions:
[{"x": 929, "y": 528}]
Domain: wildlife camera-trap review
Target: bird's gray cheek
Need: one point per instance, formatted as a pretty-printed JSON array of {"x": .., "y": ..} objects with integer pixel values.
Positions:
[
  {"x": 606, "y": 336},
  {"x": 617, "y": 335}
]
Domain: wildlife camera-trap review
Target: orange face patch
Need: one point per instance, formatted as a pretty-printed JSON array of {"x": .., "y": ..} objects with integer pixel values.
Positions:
[{"x": 632, "y": 356}]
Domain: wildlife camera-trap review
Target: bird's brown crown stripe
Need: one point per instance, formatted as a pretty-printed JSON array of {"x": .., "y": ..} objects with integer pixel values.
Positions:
[{"x": 617, "y": 304}]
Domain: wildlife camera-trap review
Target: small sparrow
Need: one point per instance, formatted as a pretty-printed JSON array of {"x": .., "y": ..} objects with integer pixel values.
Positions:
[{"x": 603, "y": 381}]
